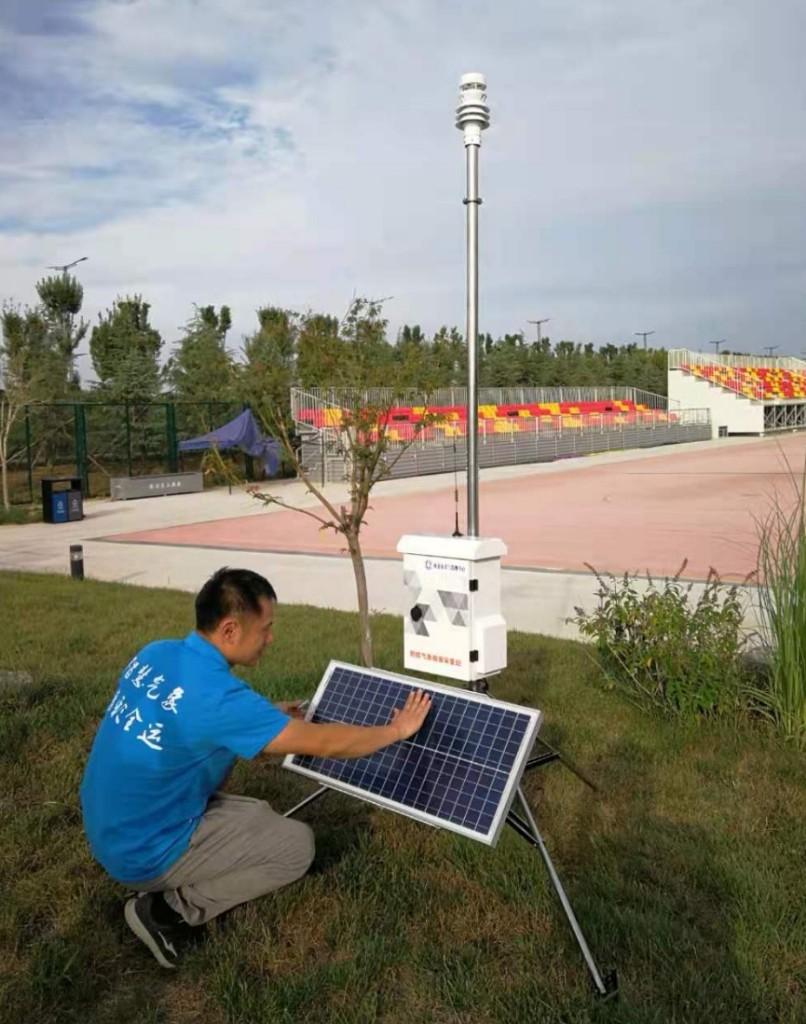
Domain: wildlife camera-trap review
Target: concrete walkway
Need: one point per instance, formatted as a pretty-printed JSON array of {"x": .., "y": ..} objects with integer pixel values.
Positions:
[{"x": 534, "y": 599}]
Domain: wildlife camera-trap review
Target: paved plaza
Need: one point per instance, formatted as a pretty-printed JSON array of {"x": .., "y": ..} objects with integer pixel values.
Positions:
[{"x": 628, "y": 511}]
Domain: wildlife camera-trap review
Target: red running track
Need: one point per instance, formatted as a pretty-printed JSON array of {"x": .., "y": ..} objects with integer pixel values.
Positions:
[{"x": 643, "y": 514}]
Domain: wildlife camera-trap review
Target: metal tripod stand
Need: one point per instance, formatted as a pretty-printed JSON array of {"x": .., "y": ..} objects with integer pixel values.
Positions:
[{"x": 524, "y": 824}]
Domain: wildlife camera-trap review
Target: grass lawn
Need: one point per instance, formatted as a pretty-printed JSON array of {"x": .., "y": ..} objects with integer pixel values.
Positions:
[{"x": 686, "y": 870}]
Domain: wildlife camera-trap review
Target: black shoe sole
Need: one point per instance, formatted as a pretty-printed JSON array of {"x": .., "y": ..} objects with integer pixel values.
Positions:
[{"x": 143, "y": 934}]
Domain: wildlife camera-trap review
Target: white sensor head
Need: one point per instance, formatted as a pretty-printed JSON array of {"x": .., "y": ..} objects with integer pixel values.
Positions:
[
  {"x": 473, "y": 114},
  {"x": 473, "y": 80}
]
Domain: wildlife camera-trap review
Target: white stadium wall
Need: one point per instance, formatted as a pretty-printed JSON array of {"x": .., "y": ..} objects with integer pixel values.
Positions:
[{"x": 740, "y": 415}]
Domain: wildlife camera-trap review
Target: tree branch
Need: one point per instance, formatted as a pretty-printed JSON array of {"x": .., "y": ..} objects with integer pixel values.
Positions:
[
  {"x": 289, "y": 449},
  {"x": 270, "y": 499}
]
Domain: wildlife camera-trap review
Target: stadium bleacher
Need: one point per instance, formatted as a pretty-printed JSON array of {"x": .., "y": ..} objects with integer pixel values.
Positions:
[
  {"x": 766, "y": 383},
  {"x": 451, "y": 421}
]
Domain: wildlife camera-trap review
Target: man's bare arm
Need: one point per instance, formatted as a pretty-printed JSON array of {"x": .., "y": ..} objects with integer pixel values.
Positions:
[{"x": 335, "y": 739}]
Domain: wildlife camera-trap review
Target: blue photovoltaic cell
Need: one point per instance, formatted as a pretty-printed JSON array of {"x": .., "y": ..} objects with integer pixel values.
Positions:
[{"x": 456, "y": 769}]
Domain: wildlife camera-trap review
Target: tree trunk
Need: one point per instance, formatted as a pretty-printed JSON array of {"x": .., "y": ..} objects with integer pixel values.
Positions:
[
  {"x": 4, "y": 472},
  {"x": 354, "y": 546}
]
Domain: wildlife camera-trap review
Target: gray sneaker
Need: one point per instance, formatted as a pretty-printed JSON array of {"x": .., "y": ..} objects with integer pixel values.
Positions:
[{"x": 164, "y": 940}]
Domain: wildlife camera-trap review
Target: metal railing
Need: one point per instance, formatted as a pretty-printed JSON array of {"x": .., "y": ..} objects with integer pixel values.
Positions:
[{"x": 683, "y": 357}]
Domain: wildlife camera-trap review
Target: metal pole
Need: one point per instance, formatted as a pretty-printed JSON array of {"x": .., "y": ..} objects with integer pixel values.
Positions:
[
  {"x": 308, "y": 800},
  {"x": 128, "y": 439},
  {"x": 80, "y": 441},
  {"x": 28, "y": 454},
  {"x": 472, "y": 117},
  {"x": 472, "y": 203},
  {"x": 170, "y": 437},
  {"x": 324, "y": 466}
]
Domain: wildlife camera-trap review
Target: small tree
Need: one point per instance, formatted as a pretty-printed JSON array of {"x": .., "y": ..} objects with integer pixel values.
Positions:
[
  {"x": 319, "y": 351},
  {"x": 414, "y": 365},
  {"x": 270, "y": 356},
  {"x": 30, "y": 372},
  {"x": 357, "y": 360},
  {"x": 61, "y": 296},
  {"x": 125, "y": 352}
]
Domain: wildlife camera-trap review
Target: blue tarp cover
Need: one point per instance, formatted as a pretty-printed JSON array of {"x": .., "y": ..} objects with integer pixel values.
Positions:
[{"x": 242, "y": 432}]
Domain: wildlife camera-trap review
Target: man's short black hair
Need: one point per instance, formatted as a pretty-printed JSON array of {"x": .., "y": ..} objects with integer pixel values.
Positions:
[{"x": 228, "y": 592}]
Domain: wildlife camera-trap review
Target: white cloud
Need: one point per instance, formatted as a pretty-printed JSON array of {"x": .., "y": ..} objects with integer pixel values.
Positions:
[{"x": 645, "y": 161}]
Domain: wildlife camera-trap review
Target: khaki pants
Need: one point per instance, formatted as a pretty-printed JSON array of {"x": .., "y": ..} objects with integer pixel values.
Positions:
[{"x": 241, "y": 849}]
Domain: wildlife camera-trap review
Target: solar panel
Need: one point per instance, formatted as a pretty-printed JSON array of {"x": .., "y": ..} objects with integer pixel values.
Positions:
[{"x": 459, "y": 772}]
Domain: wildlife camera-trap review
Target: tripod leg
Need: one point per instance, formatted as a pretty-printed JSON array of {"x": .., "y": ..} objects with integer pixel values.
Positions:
[
  {"x": 555, "y": 755},
  {"x": 609, "y": 986},
  {"x": 308, "y": 800}
]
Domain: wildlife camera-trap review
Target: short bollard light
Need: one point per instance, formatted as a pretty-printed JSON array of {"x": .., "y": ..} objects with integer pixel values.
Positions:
[{"x": 77, "y": 561}]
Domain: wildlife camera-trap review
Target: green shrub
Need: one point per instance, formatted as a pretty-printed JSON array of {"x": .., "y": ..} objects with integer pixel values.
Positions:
[
  {"x": 667, "y": 650},
  {"x": 20, "y": 514}
]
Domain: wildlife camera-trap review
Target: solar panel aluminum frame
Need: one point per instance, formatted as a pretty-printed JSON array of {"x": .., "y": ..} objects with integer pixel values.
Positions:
[{"x": 490, "y": 838}]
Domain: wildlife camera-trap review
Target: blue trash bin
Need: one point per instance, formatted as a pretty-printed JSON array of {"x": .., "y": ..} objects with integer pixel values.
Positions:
[
  {"x": 62, "y": 499},
  {"x": 59, "y": 511}
]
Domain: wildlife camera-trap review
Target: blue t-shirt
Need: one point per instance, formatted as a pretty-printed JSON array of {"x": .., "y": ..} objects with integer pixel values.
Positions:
[{"x": 170, "y": 734}]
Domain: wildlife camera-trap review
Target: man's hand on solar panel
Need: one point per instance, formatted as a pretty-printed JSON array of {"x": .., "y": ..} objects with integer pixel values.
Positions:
[
  {"x": 410, "y": 717},
  {"x": 336, "y": 739}
]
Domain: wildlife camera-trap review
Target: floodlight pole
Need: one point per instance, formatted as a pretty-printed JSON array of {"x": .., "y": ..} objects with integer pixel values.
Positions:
[
  {"x": 64, "y": 267},
  {"x": 644, "y": 335},
  {"x": 472, "y": 117},
  {"x": 538, "y": 324}
]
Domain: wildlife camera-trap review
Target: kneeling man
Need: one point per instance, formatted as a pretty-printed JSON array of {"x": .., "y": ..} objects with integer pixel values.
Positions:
[{"x": 153, "y": 811}]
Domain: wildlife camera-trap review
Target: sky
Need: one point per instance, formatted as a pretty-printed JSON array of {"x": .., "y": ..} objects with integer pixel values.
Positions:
[{"x": 645, "y": 168}]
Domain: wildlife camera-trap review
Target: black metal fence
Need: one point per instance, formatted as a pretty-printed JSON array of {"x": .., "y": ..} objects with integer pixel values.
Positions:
[{"x": 100, "y": 440}]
